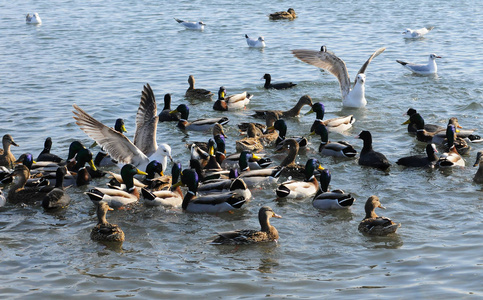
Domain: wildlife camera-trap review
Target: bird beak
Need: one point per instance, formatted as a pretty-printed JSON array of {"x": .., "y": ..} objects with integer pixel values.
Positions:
[
  {"x": 312, "y": 133},
  {"x": 407, "y": 122},
  {"x": 15, "y": 144},
  {"x": 438, "y": 57},
  {"x": 141, "y": 172},
  {"x": 320, "y": 168},
  {"x": 276, "y": 216},
  {"x": 380, "y": 206},
  {"x": 91, "y": 164},
  {"x": 173, "y": 111},
  {"x": 110, "y": 208},
  {"x": 170, "y": 158},
  {"x": 310, "y": 111}
]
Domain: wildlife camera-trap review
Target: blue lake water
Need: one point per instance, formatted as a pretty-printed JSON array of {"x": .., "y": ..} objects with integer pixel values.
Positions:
[{"x": 99, "y": 55}]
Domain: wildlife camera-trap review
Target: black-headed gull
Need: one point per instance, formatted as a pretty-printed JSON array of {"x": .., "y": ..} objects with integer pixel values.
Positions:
[
  {"x": 416, "y": 33},
  {"x": 255, "y": 43},
  {"x": 330, "y": 62},
  {"x": 427, "y": 69},
  {"x": 144, "y": 149},
  {"x": 34, "y": 19},
  {"x": 192, "y": 25}
]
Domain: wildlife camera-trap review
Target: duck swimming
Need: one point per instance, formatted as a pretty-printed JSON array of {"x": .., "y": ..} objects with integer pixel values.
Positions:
[
  {"x": 192, "y": 92},
  {"x": 295, "y": 189},
  {"x": 372, "y": 224},
  {"x": 276, "y": 86},
  {"x": 283, "y": 15},
  {"x": 428, "y": 160},
  {"x": 267, "y": 232},
  {"x": 231, "y": 102},
  {"x": 479, "y": 174},
  {"x": 45, "y": 155},
  {"x": 368, "y": 156},
  {"x": 339, "y": 124},
  {"x": 339, "y": 149},
  {"x": 197, "y": 125},
  {"x": 57, "y": 198},
  {"x": 335, "y": 199},
  {"x": 18, "y": 193},
  {"x": 105, "y": 231},
  {"x": 164, "y": 115},
  {"x": 291, "y": 113},
  {"x": 7, "y": 159}
]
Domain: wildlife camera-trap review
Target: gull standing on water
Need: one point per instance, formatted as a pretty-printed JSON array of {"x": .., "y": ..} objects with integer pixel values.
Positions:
[
  {"x": 255, "y": 43},
  {"x": 429, "y": 68},
  {"x": 416, "y": 33},
  {"x": 330, "y": 62},
  {"x": 192, "y": 25}
]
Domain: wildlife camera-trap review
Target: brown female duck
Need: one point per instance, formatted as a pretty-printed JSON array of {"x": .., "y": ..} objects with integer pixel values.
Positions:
[
  {"x": 372, "y": 224},
  {"x": 291, "y": 113},
  {"x": 192, "y": 92},
  {"x": 267, "y": 232},
  {"x": 283, "y": 15},
  {"x": 7, "y": 159},
  {"x": 105, "y": 231}
]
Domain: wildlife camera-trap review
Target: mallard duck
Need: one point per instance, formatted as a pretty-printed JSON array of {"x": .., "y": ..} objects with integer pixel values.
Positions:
[
  {"x": 479, "y": 174},
  {"x": 339, "y": 124},
  {"x": 33, "y": 19},
  {"x": 416, "y": 33},
  {"x": 198, "y": 125},
  {"x": 372, "y": 224},
  {"x": 276, "y": 86},
  {"x": 45, "y": 155},
  {"x": 84, "y": 174},
  {"x": 232, "y": 184},
  {"x": 145, "y": 147},
  {"x": 167, "y": 198},
  {"x": 283, "y": 15},
  {"x": 57, "y": 198},
  {"x": 293, "y": 112},
  {"x": 252, "y": 141},
  {"x": 210, "y": 203},
  {"x": 339, "y": 149},
  {"x": 118, "y": 198},
  {"x": 428, "y": 127},
  {"x": 451, "y": 158},
  {"x": 255, "y": 43},
  {"x": 231, "y": 102},
  {"x": 325, "y": 199},
  {"x": 192, "y": 25},
  {"x": 217, "y": 130},
  {"x": 256, "y": 178},
  {"x": 368, "y": 156},
  {"x": 155, "y": 179},
  {"x": 259, "y": 162},
  {"x": 191, "y": 92},
  {"x": 294, "y": 189},
  {"x": 428, "y": 160},
  {"x": 105, "y": 231},
  {"x": 331, "y": 63},
  {"x": 267, "y": 233},
  {"x": 451, "y": 139},
  {"x": 7, "y": 159},
  {"x": 18, "y": 193},
  {"x": 164, "y": 115},
  {"x": 281, "y": 126},
  {"x": 290, "y": 167},
  {"x": 421, "y": 69}
]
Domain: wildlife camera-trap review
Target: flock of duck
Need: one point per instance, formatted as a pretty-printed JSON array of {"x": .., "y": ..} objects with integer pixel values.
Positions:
[{"x": 217, "y": 182}]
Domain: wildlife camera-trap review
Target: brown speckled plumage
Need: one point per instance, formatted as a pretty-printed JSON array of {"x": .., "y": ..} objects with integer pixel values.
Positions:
[
  {"x": 267, "y": 233},
  {"x": 372, "y": 223},
  {"x": 104, "y": 231}
]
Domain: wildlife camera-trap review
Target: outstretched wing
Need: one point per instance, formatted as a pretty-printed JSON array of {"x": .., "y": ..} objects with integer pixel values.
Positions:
[
  {"x": 116, "y": 144},
  {"x": 366, "y": 64},
  {"x": 329, "y": 62},
  {"x": 146, "y": 122}
]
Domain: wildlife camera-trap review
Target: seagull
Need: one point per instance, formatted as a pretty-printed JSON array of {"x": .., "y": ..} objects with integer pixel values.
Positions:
[
  {"x": 416, "y": 33},
  {"x": 255, "y": 43},
  {"x": 192, "y": 25},
  {"x": 144, "y": 149},
  {"x": 427, "y": 69},
  {"x": 34, "y": 19},
  {"x": 330, "y": 62}
]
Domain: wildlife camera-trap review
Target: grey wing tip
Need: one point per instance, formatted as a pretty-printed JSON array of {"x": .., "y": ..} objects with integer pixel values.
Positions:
[{"x": 178, "y": 20}]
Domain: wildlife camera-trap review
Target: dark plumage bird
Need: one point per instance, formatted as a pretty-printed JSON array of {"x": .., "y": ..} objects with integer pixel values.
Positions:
[
  {"x": 372, "y": 224},
  {"x": 293, "y": 112},
  {"x": 479, "y": 174},
  {"x": 283, "y": 15},
  {"x": 45, "y": 155},
  {"x": 368, "y": 156},
  {"x": 267, "y": 232},
  {"x": 192, "y": 92},
  {"x": 7, "y": 159},
  {"x": 164, "y": 115},
  {"x": 428, "y": 160},
  {"x": 57, "y": 197},
  {"x": 277, "y": 86}
]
